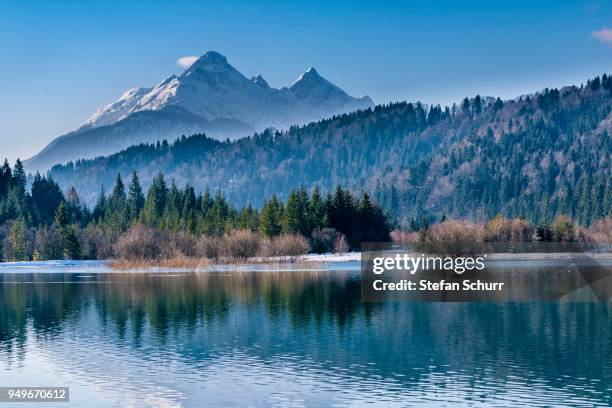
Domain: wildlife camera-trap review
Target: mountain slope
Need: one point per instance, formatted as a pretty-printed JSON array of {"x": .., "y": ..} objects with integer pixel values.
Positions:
[
  {"x": 537, "y": 156},
  {"x": 210, "y": 90},
  {"x": 139, "y": 126}
]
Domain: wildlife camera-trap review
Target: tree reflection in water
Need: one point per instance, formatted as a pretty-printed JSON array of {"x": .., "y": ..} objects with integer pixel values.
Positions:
[{"x": 315, "y": 316}]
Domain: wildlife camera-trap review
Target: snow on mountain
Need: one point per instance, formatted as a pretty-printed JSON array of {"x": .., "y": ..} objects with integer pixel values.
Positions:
[
  {"x": 214, "y": 92},
  {"x": 117, "y": 110},
  {"x": 212, "y": 88},
  {"x": 321, "y": 94}
]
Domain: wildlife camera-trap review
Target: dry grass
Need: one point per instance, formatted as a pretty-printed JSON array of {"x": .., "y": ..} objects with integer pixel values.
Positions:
[
  {"x": 173, "y": 263},
  {"x": 144, "y": 248}
]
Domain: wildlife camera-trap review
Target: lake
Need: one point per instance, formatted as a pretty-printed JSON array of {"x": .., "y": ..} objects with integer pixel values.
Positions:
[{"x": 288, "y": 338}]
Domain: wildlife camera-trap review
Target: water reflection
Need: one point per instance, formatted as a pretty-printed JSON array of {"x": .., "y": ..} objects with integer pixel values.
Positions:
[{"x": 293, "y": 338}]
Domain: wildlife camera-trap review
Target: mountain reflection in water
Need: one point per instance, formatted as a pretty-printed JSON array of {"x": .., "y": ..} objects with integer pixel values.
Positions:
[{"x": 292, "y": 339}]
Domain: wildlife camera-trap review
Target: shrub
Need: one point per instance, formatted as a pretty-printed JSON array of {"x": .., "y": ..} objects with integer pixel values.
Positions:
[
  {"x": 563, "y": 229},
  {"x": 97, "y": 243},
  {"x": 453, "y": 237},
  {"x": 601, "y": 231},
  {"x": 182, "y": 244},
  {"x": 70, "y": 241},
  {"x": 501, "y": 229},
  {"x": 288, "y": 245},
  {"x": 522, "y": 230},
  {"x": 209, "y": 247},
  {"x": 141, "y": 243},
  {"x": 341, "y": 244},
  {"x": 241, "y": 244}
]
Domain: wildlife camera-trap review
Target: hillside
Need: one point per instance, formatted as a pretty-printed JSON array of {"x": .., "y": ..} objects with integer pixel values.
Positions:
[{"x": 536, "y": 156}]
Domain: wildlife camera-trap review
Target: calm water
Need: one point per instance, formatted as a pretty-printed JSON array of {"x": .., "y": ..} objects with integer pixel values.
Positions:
[{"x": 290, "y": 339}]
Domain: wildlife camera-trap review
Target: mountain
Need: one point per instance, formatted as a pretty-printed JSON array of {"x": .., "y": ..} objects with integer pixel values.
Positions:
[
  {"x": 212, "y": 97},
  {"x": 545, "y": 154},
  {"x": 134, "y": 129}
]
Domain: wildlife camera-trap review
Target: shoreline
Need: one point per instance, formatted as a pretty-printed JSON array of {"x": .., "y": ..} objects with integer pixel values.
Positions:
[{"x": 315, "y": 262}]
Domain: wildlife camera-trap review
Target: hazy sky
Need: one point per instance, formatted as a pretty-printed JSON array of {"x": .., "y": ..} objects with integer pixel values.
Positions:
[{"x": 61, "y": 60}]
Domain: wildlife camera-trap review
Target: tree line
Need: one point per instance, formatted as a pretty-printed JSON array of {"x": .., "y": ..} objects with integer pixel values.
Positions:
[{"x": 44, "y": 223}]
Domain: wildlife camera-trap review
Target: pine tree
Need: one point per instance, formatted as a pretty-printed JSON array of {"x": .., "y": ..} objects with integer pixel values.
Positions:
[
  {"x": 17, "y": 243},
  {"x": 342, "y": 211},
  {"x": 61, "y": 216},
  {"x": 118, "y": 199},
  {"x": 100, "y": 207},
  {"x": 477, "y": 106},
  {"x": 248, "y": 218},
  {"x": 46, "y": 196},
  {"x": 498, "y": 104},
  {"x": 72, "y": 246},
  {"x": 135, "y": 199},
  {"x": 188, "y": 212},
  {"x": 172, "y": 212},
  {"x": 6, "y": 177},
  {"x": 465, "y": 107},
  {"x": 295, "y": 216},
  {"x": 316, "y": 209},
  {"x": 372, "y": 222},
  {"x": 116, "y": 211},
  {"x": 70, "y": 242},
  {"x": 271, "y": 216},
  {"x": 19, "y": 179},
  {"x": 155, "y": 204}
]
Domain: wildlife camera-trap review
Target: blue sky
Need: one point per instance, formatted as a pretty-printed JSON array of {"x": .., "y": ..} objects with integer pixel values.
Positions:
[{"x": 61, "y": 60}]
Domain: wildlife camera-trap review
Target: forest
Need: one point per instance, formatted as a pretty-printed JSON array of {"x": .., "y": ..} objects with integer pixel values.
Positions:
[
  {"x": 170, "y": 223},
  {"x": 44, "y": 223},
  {"x": 536, "y": 157}
]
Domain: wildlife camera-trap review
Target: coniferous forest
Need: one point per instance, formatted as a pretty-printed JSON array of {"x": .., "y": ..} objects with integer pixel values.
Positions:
[
  {"x": 44, "y": 223},
  {"x": 537, "y": 157}
]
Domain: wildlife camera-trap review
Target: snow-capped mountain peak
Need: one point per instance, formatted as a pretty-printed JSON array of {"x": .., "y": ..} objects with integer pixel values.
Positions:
[
  {"x": 212, "y": 97},
  {"x": 311, "y": 73},
  {"x": 311, "y": 81},
  {"x": 210, "y": 59},
  {"x": 212, "y": 88}
]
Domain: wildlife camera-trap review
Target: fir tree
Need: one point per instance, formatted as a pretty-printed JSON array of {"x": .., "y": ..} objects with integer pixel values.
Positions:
[
  {"x": 117, "y": 211},
  {"x": 295, "y": 215},
  {"x": 271, "y": 217},
  {"x": 317, "y": 210},
  {"x": 100, "y": 207},
  {"x": 70, "y": 242},
  {"x": 155, "y": 204},
  {"x": 135, "y": 199},
  {"x": 19, "y": 179},
  {"x": 17, "y": 243}
]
